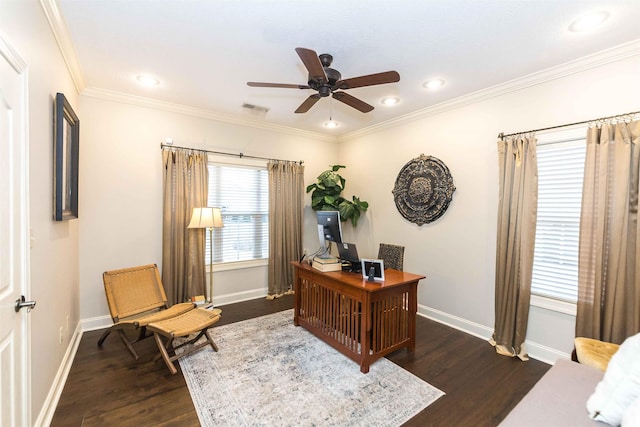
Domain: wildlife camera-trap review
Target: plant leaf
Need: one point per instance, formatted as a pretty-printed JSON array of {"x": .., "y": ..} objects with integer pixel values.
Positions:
[
  {"x": 346, "y": 209},
  {"x": 326, "y": 195}
]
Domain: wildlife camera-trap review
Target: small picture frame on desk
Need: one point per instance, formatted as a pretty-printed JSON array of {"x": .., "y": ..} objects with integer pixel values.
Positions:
[{"x": 373, "y": 270}]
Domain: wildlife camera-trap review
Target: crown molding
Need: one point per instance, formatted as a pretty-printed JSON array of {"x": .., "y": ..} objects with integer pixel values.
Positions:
[
  {"x": 63, "y": 39},
  {"x": 200, "y": 112},
  {"x": 61, "y": 34},
  {"x": 595, "y": 60}
]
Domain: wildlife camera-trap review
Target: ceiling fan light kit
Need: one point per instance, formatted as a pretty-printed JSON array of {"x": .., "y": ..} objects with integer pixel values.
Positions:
[{"x": 328, "y": 82}]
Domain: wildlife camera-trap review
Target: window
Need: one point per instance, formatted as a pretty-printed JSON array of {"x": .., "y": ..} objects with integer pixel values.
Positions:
[
  {"x": 242, "y": 194},
  {"x": 561, "y": 157}
]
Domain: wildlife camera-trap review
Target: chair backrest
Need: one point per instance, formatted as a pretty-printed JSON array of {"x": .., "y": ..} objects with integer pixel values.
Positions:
[
  {"x": 392, "y": 255},
  {"x": 134, "y": 290}
]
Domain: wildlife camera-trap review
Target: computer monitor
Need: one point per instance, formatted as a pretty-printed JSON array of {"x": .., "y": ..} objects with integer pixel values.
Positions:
[{"x": 329, "y": 229}]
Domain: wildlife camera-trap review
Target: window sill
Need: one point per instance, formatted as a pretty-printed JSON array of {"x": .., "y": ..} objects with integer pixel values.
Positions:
[
  {"x": 239, "y": 265},
  {"x": 554, "y": 304}
]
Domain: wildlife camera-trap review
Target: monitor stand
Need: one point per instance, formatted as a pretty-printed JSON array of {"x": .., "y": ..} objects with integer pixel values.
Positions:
[{"x": 326, "y": 251}]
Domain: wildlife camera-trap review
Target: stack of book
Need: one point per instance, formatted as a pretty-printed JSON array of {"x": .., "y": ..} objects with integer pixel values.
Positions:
[{"x": 327, "y": 264}]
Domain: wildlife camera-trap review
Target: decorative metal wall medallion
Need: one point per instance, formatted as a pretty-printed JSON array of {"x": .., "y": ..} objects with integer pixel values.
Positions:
[{"x": 423, "y": 190}]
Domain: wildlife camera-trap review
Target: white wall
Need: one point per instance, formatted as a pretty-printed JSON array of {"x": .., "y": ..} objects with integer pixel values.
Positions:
[
  {"x": 121, "y": 187},
  {"x": 54, "y": 253},
  {"x": 457, "y": 252},
  {"x": 121, "y": 182}
]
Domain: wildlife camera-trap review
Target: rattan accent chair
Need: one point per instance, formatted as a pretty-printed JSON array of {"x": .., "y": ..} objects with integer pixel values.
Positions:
[
  {"x": 392, "y": 255},
  {"x": 195, "y": 321},
  {"x": 137, "y": 298}
]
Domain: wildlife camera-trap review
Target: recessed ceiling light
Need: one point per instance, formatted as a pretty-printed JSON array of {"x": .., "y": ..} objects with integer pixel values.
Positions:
[
  {"x": 434, "y": 84},
  {"x": 147, "y": 80},
  {"x": 390, "y": 100},
  {"x": 331, "y": 124},
  {"x": 588, "y": 22}
]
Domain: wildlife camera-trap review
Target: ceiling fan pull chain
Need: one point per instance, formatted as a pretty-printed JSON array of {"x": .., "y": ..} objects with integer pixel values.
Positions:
[{"x": 330, "y": 110}]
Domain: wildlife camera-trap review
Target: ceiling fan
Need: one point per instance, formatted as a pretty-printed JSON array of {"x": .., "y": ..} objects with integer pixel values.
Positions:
[{"x": 327, "y": 81}]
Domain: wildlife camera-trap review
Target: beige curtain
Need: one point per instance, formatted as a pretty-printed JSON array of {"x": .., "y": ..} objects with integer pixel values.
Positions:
[
  {"x": 517, "y": 210},
  {"x": 609, "y": 257},
  {"x": 185, "y": 184},
  {"x": 286, "y": 204}
]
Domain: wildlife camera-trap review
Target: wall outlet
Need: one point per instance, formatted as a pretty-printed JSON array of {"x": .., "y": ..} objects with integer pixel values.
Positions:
[{"x": 60, "y": 336}]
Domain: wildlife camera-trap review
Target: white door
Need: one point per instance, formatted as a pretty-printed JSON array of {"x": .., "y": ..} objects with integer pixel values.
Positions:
[{"x": 14, "y": 239}]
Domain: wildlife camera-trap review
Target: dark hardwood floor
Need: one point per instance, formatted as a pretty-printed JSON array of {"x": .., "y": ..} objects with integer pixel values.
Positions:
[{"x": 107, "y": 387}]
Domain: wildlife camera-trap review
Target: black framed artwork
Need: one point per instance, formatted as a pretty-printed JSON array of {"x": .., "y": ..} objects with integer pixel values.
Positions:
[{"x": 65, "y": 160}]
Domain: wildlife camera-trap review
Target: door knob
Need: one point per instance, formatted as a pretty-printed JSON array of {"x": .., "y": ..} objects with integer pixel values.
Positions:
[{"x": 21, "y": 303}]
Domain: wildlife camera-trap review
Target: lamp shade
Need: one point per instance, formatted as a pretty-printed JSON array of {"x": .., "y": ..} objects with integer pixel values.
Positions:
[{"x": 206, "y": 218}]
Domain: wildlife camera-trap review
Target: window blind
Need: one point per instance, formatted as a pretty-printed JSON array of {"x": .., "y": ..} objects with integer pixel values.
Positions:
[
  {"x": 560, "y": 178},
  {"x": 242, "y": 194}
]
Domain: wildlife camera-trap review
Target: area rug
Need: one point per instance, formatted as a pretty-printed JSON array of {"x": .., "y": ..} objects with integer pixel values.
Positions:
[{"x": 269, "y": 372}]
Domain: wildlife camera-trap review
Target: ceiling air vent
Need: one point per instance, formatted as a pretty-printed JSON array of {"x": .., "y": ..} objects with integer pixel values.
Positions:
[{"x": 255, "y": 109}]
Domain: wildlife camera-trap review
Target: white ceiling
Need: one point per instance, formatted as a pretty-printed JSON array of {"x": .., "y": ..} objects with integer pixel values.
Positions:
[{"x": 203, "y": 52}]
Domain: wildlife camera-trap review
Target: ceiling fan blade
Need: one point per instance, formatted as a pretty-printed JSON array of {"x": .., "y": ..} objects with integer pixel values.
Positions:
[
  {"x": 308, "y": 103},
  {"x": 283, "y": 85},
  {"x": 312, "y": 63},
  {"x": 369, "y": 80},
  {"x": 352, "y": 101}
]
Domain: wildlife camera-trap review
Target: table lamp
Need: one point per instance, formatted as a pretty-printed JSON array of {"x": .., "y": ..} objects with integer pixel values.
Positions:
[{"x": 208, "y": 218}]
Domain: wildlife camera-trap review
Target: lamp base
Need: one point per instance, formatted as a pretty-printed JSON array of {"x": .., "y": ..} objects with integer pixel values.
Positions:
[{"x": 211, "y": 266}]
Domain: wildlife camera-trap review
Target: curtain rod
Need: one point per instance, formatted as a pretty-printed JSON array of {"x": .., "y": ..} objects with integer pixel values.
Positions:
[
  {"x": 502, "y": 135},
  {"x": 240, "y": 155}
]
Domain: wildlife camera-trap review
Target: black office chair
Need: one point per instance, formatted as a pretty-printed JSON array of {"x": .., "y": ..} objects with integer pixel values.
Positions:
[{"x": 392, "y": 255}]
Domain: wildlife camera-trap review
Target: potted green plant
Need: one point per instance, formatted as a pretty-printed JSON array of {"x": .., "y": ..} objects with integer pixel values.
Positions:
[{"x": 326, "y": 195}]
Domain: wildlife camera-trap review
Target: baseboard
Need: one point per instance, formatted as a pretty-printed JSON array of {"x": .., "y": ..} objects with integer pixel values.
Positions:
[
  {"x": 240, "y": 296},
  {"x": 94, "y": 323},
  {"x": 464, "y": 325},
  {"x": 102, "y": 322},
  {"x": 51, "y": 402},
  {"x": 545, "y": 354},
  {"x": 536, "y": 351}
]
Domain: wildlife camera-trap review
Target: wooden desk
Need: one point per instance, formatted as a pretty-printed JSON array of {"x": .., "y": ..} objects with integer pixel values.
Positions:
[{"x": 350, "y": 313}]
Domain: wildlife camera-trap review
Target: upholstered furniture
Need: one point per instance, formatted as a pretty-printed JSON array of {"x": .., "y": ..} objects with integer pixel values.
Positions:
[
  {"x": 619, "y": 389},
  {"x": 558, "y": 399},
  {"x": 136, "y": 298},
  {"x": 576, "y": 394},
  {"x": 392, "y": 255},
  {"x": 594, "y": 352}
]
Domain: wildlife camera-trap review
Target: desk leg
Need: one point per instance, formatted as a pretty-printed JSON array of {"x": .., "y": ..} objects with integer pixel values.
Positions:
[
  {"x": 413, "y": 311},
  {"x": 297, "y": 295},
  {"x": 365, "y": 333}
]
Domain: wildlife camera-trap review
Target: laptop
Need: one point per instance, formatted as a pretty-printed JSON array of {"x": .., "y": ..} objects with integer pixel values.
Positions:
[{"x": 349, "y": 255}]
